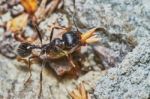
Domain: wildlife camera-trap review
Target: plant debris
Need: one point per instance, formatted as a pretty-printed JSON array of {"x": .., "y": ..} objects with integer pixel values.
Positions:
[
  {"x": 17, "y": 24},
  {"x": 79, "y": 93}
]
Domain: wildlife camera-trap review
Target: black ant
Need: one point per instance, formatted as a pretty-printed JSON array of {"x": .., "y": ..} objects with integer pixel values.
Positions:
[{"x": 56, "y": 48}]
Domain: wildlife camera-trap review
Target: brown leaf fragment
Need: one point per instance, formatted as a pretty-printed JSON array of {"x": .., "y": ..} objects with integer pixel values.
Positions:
[
  {"x": 79, "y": 93},
  {"x": 40, "y": 13},
  {"x": 46, "y": 9},
  {"x": 17, "y": 24}
]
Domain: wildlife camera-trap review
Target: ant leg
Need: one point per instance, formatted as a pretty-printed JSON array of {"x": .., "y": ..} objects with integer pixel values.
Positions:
[
  {"x": 71, "y": 61},
  {"x": 52, "y": 31},
  {"x": 34, "y": 24},
  {"x": 20, "y": 59},
  {"x": 51, "y": 35},
  {"x": 19, "y": 37},
  {"x": 69, "y": 57},
  {"x": 56, "y": 26},
  {"x": 41, "y": 78},
  {"x": 29, "y": 66}
]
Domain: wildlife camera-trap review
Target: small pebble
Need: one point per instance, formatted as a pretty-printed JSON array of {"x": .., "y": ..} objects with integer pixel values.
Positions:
[
  {"x": 1, "y": 33},
  {"x": 6, "y": 17},
  {"x": 1, "y": 22},
  {"x": 18, "y": 9},
  {"x": 2, "y": 1},
  {"x": 3, "y": 8},
  {"x": 28, "y": 31},
  {"x": 12, "y": 2}
]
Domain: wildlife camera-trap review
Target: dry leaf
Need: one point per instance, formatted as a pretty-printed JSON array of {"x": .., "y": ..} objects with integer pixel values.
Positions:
[
  {"x": 18, "y": 23},
  {"x": 29, "y": 5},
  {"x": 53, "y": 5},
  {"x": 46, "y": 9},
  {"x": 89, "y": 37},
  {"x": 40, "y": 13},
  {"x": 80, "y": 92}
]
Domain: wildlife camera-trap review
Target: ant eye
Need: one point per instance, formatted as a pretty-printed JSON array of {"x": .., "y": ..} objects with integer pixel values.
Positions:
[{"x": 24, "y": 49}]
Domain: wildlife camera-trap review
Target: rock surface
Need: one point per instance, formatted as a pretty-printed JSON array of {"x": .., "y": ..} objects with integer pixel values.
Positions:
[
  {"x": 127, "y": 24},
  {"x": 131, "y": 80}
]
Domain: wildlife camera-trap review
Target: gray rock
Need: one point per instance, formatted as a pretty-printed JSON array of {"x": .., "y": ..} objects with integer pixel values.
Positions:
[
  {"x": 2, "y": 1},
  {"x": 131, "y": 80},
  {"x": 1, "y": 33},
  {"x": 6, "y": 17},
  {"x": 127, "y": 18},
  {"x": 3, "y": 8},
  {"x": 18, "y": 9},
  {"x": 119, "y": 17}
]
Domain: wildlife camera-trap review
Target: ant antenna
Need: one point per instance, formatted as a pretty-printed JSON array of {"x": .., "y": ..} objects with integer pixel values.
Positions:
[
  {"x": 73, "y": 17},
  {"x": 38, "y": 31},
  {"x": 51, "y": 34}
]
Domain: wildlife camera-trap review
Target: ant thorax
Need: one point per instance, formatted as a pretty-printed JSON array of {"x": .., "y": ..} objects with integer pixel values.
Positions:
[{"x": 36, "y": 51}]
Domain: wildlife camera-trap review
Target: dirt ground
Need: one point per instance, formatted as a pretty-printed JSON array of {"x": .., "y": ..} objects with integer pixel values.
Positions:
[{"x": 126, "y": 25}]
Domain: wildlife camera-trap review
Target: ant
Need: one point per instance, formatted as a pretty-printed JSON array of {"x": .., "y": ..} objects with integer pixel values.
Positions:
[{"x": 57, "y": 48}]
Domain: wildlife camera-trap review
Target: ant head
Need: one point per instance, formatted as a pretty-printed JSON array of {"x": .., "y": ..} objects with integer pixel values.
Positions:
[{"x": 24, "y": 49}]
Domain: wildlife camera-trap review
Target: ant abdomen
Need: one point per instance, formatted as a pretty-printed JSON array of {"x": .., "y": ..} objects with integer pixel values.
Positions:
[
  {"x": 71, "y": 39},
  {"x": 24, "y": 49}
]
